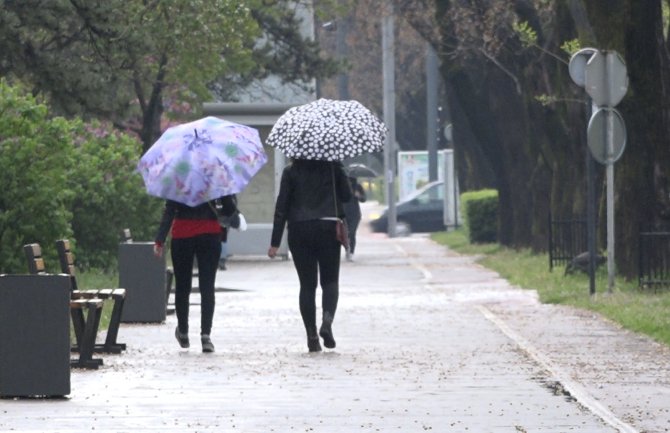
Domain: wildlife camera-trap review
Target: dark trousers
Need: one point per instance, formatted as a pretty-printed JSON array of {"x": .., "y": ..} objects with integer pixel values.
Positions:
[
  {"x": 316, "y": 256},
  {"x": 352, "y": 225},
  {"x": 207, "y": 249}
]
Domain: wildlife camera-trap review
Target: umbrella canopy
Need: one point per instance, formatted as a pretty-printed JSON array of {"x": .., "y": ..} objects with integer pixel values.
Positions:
[
  {"x": 202, "y": 160},
  {"x": 360, "y": 170},
  {"x": 327, "y": 130}
]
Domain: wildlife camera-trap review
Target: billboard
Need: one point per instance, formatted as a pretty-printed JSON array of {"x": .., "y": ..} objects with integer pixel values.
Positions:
[{"x": 413, "y": 170}]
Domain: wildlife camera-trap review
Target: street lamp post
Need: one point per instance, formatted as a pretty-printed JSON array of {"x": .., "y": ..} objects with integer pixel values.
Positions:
[{"x": 388, "y": 63}]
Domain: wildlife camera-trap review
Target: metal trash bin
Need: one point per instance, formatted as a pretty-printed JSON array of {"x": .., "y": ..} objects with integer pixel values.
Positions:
[
  {"x": 143, "y": 276},
  {"x": 34, "y": 335}
]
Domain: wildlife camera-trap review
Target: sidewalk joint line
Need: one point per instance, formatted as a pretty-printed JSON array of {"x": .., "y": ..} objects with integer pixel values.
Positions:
[{"x": 575, "y": 389}]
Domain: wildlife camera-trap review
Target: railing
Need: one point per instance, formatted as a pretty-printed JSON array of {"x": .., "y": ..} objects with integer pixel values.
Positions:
[
  {"x": 567, "y": 239},
  {"x": 654, "y": 260}
]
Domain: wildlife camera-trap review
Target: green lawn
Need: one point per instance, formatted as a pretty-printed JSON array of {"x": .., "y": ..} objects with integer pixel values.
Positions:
[{"x": 645, "y": 312}]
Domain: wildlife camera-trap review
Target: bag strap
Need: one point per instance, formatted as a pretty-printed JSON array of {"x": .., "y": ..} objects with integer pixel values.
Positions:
[
  {"x": 216, "y": 213},
  {"x": 332, "y": 172}
]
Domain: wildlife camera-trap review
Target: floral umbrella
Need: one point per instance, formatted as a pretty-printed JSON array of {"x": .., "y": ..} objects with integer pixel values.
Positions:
[
  {"x": 327, "y": 130},
  {"x": 202, "y": 160}
]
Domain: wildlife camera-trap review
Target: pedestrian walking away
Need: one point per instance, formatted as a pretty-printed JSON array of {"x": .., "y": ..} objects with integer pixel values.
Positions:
[
  {"x": 352, "y": 210},
  {"x": 196, "y": 234},
  {"x": 305, "y": 206}
]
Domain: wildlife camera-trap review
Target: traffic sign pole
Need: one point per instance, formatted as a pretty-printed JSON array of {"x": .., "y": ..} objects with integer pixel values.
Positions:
[
  {"x": 610, "y": 201},
  {"x": 604, "y": 77}
]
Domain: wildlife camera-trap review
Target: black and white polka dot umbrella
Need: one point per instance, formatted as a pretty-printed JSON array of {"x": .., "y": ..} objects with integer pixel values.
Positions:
[{"x": 327, "y": 130}]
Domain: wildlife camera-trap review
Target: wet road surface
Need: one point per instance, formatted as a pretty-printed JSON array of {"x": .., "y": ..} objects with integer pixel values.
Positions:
[{"x": 427, "y": 340}]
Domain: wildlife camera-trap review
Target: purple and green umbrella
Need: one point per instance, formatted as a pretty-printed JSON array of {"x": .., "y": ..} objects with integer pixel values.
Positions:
[{"x": 202, "y": 160}]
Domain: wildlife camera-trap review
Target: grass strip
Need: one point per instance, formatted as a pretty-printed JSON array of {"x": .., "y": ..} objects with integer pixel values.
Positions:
[{"x": 642, "y": 311}]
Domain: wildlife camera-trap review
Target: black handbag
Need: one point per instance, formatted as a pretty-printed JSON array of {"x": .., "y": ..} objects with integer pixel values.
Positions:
[{"x": 226, "y": 221}]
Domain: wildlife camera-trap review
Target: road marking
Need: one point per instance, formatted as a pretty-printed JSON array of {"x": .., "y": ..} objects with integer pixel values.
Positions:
[
  {"x": 576, "y": 390},
  {"x": 427, "y": 275}
]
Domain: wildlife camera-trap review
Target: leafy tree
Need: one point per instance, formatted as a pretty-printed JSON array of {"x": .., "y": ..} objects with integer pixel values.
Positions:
[
  {"x": 508, "y": 74},
  {"x": 114, "y": 57},
  {"x": 124, "y": 60},
  {"x": 519, "y": 120}
]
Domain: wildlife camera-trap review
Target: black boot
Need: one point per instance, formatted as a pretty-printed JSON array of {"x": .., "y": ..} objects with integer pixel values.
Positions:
[
  {"x": 313, "y": 343},
  {"x": 181, "y": 338},
  {"x": 326, "y": 331}
]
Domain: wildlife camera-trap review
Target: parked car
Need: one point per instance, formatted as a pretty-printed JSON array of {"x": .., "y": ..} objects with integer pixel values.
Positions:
[{"x": 421, "y": 212}]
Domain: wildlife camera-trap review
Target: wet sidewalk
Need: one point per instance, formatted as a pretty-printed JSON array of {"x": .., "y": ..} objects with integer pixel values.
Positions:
[{"x": 427, "y": 340}]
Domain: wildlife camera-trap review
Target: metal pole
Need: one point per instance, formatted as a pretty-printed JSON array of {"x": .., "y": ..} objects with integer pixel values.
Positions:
[
  {"x": 591, "y": 215},
  {"x": 610, "y": 202},
  {"x": 610, "y": 180},
  {"x": 388, "y": 63},
  {"x": 341, "y": 49},
  {"x": 431, "y": 111}
]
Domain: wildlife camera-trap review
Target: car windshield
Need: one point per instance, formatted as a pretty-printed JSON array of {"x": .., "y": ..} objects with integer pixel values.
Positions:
[{"x": 428, "y": 193}]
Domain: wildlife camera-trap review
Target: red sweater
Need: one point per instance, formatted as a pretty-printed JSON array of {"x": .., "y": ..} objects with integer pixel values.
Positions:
[{"x": 183, "y": 228}]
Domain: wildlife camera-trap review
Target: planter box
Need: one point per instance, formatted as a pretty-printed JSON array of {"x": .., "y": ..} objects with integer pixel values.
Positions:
[
  {"x": 143, "y": 276},
  {"x": 34, "y": 335}
]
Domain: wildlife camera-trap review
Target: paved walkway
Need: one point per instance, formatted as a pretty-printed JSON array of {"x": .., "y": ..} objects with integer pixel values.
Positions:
[{"x": 427, "y": 340}]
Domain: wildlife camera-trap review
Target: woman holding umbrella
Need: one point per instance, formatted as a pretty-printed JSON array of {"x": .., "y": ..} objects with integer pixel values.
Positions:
[
  {"x": 317, "y": 136},
  {"x": 309, "y": 200},
  {"x": 196, "y": 234},
  {"x": 198, "y": 167}
]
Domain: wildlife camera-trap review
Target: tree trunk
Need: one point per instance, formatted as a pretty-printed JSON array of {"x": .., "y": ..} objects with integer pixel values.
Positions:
[{"x": 634, "y": 29}]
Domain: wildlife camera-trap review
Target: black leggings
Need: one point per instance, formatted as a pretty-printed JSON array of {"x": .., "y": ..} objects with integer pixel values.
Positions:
[
  {"x": 352, "y": 225},
  {"x": 315, "y": 250},
  {"x": 207, "y": 249}
]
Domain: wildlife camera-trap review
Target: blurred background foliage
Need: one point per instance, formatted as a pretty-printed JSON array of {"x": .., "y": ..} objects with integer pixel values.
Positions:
[{"x": 63, "y": 178}]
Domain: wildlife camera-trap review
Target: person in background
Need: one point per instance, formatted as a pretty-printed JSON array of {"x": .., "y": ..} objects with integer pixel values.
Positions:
[
  {"x": 309, "y": 203},
  {"x": 196, "y": 234},
  {"x": 352, "y": 209},
  {"x": 224, "y": 255},
  {"x": 235, "y": 221}
]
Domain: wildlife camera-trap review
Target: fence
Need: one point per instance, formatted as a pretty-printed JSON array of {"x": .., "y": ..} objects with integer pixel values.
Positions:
[
  {"x": 654, "y": 260},
  {"x": 567, "y": 238}
]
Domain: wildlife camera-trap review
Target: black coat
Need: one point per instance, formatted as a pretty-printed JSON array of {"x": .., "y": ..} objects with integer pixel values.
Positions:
[
  {"x": 306, "y": 193},
  {"x": 352, "y": 208}
]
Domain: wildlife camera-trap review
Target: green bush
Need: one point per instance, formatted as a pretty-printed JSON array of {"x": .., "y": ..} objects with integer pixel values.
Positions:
[
  {"x": 34, "y": 156},
  {"x": 481, "y": 215},
  {"x": 66, "y": 179},
  {"x": 109, "y": 196}
]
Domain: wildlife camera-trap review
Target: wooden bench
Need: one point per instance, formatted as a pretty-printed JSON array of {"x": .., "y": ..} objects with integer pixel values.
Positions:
[
  {"x": 116, "y": 295},
  {"x": 85, "y": 313}
]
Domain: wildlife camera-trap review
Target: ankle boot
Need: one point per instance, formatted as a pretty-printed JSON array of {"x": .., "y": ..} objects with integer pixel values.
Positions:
[
  {"x": 313, "y": 343},
  {"x": 326, "y": 331},
  {"x": 207, "y": 345}
]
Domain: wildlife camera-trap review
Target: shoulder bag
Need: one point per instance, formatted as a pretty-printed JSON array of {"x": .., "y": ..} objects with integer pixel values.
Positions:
[{"x": 341, "y": 229}]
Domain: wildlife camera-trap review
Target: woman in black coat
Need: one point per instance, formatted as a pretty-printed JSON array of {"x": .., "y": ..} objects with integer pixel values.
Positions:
[{"x": 310, "y": 200}]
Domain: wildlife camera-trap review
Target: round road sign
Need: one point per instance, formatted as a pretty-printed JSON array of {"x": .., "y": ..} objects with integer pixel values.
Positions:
[
  {"x": 606, "y": 78},
  {"x": 606, "y": 135},
  {"x": 577, "y": 65}
]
